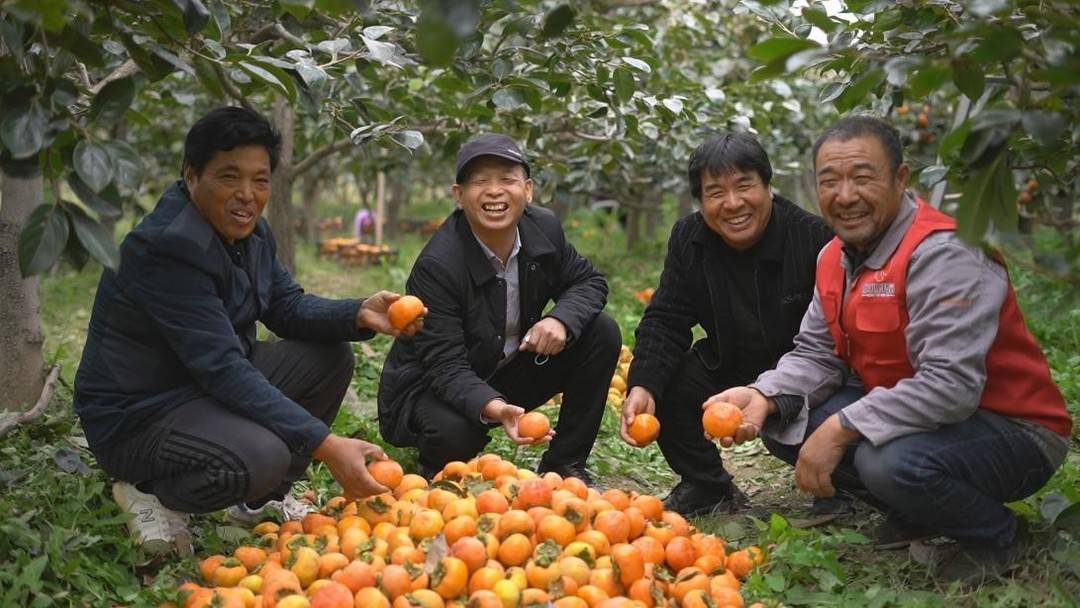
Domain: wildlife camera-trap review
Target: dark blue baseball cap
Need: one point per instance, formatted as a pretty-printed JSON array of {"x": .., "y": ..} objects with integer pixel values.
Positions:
[{"x": 490, "y": 144}]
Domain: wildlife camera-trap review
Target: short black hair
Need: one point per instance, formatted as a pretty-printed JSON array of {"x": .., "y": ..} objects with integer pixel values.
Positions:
[
  {"x": 728, "y": 152},
  {"x": 227, "y": 128},
  {"x": 860, "y": 125}
]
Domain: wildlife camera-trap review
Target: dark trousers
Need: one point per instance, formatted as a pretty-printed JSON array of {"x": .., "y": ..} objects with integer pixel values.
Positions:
[
  {"x": 953, "y": 480},
  {"x": 682, "y": 435},
  {"x": 582, "y": 373},
  {"x": 200, "y": 456}
]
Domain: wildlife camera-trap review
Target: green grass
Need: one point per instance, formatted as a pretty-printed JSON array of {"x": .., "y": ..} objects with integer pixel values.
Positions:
[{"x": 63, "y": 543}]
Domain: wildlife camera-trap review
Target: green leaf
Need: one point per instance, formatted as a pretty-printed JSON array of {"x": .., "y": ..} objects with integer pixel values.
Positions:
[
  {"x": 557, "y": 20},
  {"x": 984, "y": 144},
  {"x": 831, "y": 91},
  {"x": 53, "y": 13},
  {"x": 929, "y": 78},
  {"x": 101, "y": 205},
  {"x": 82, "y": 47},
  {"x": 221, "y": 16},
  {"x": 932, "y": 175},
  {"x": 507, "y": 99},
  {"x": 855, "y": 92},
  {"x": 297, "y": 8},
  {"x": 1048, "y": 129},
  {"x": 271, "y": 75},
  {"x": 624, "y": 83},
  {"x": 954, "y": 139},
  {"x": 410, "y": 140},
  {"x": 195, "y": 15},
  {"x": 93, "y": 165},
  {"x": 112, "y": 101},
  {"x": 94, "y": 237},
  {"x": 22, "y": 130},
  {"x": 999, "y": 44},
  {"x": 42, "y": 239},
  {"x": 780, "y": 47},
  {"x": 208, "y": 77},
  {"x": 637, "y": 64},
  {"x": 969, "y": 77},
  {"x": 820, "y": 18},
  {"x": 435, "y": 40},
  {"x": 989, "y": 195}
]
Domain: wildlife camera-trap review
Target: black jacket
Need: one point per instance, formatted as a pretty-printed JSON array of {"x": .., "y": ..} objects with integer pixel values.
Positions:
[
  {"x": 462, "y": 338},
  {"x": 176, "y": 321},
  {"x": 693, "y": 290}
]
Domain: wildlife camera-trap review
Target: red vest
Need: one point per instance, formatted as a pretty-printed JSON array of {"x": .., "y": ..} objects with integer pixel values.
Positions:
[{"x": 868, "y": 330}]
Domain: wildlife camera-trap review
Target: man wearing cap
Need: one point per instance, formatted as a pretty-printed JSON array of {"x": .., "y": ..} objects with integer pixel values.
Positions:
[{"x": 488, "y": 352}]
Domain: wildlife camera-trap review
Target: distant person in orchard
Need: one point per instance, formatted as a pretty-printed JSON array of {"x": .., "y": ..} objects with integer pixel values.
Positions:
[
  {"x": 741, "y": 268},
  {"x": 916, "y": 383},
  {"x": 488, "y": 352},
  {"x": 178, "y": 399},
  {"x": 363, "y": 223}
]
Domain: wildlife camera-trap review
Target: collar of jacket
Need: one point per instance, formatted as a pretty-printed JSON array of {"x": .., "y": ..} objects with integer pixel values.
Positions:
[
  {"x": 771, "y": 245},
  {"x": 890, "y": 239},
  {"x": 534, "y": 244}
]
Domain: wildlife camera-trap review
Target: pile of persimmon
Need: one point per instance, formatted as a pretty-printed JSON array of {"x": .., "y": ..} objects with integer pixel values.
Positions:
[
  {"x": 482, "y": 534},
  {"x": 617, "y": 388}
]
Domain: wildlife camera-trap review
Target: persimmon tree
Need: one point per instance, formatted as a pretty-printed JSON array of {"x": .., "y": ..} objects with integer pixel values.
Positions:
[{"x": 985, "y": 91}]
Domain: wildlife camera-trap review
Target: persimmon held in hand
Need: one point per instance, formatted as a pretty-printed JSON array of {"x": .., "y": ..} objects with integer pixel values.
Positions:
[
  {"x": 643, "y": 429},
  {"x": 722, "y": 419},
  {"x": 386, "y": 472},
  {"x": 405, "y": 310},
  {"x": 534, "y": 425}
]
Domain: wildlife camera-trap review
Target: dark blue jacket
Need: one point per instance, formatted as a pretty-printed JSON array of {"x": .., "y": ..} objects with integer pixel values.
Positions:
[{"x": 176, "y": 321}]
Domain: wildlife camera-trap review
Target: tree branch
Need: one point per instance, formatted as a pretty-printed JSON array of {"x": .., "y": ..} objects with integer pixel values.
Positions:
[
  {"x": 39, "y": 408},
  {"x": 230, "y": 86},
  {"x": 318, "y": 155},
  {"x": 128, "y": 68}
]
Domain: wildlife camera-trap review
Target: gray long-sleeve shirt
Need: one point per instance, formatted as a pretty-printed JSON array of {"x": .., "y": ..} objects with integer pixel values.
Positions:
[{"x": 954, "y": 299}]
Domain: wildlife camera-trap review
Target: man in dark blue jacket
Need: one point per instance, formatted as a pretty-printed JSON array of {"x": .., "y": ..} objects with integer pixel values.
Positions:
[
  {"x": 178, "y": 399},
  {"x": 488, "y": 352}
]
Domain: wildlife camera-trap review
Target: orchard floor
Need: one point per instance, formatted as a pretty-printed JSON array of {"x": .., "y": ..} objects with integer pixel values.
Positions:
[{"x": 63, "y": 542}]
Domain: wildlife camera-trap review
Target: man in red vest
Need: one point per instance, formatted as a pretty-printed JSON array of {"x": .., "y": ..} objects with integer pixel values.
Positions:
[{"x": 914, "y": 382}]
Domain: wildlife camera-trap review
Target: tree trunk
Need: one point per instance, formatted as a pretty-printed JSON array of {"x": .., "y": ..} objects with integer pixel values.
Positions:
[
  {"x": 380, "y": 200},
  {"x": 21, "y": 337},
  {"x": 685, "y": 206},
  {"x": 633, "y": 227},
  {"x": 280, "y": 216},
  {"x": 399, "y": 198},
  {"x": 313, "y": 187}
]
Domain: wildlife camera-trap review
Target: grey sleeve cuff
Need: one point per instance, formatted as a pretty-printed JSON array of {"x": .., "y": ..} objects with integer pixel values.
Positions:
[
  {"x": 788, "y": 425},
  {"x": 788, "y": 407}
]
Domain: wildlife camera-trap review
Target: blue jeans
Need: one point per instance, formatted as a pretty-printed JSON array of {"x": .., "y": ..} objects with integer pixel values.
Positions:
[{"x": 953, "y": 480}]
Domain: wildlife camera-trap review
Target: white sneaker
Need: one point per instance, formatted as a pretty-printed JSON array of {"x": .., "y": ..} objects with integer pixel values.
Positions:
[
  {"x": 279, "y": 510},
  {"x": 156, "y": 529}
]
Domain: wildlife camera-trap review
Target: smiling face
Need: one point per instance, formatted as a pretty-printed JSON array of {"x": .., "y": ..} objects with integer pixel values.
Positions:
[
  {"x": 232, "y": 190},
  {"x": 736, "y": 205},
  {"x": 493, "y": 197},
  {"x": 858, "y": 191}
]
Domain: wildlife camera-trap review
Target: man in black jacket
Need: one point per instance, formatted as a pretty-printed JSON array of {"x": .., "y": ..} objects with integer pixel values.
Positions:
[
  {"x": 743, "y": 269},
  {"x": 487, "y": 351},
  {"x": 178, "y": 399}
]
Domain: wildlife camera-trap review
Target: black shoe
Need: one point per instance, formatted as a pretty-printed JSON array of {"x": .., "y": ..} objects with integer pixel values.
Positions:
[
  {"x": 895, "y": 533},
  {"x": 972, "y": 565},
  {"x": 572, "y": 469},
  {"x": 836, "y": 506},
  {"x": 689, "y": 499}
]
